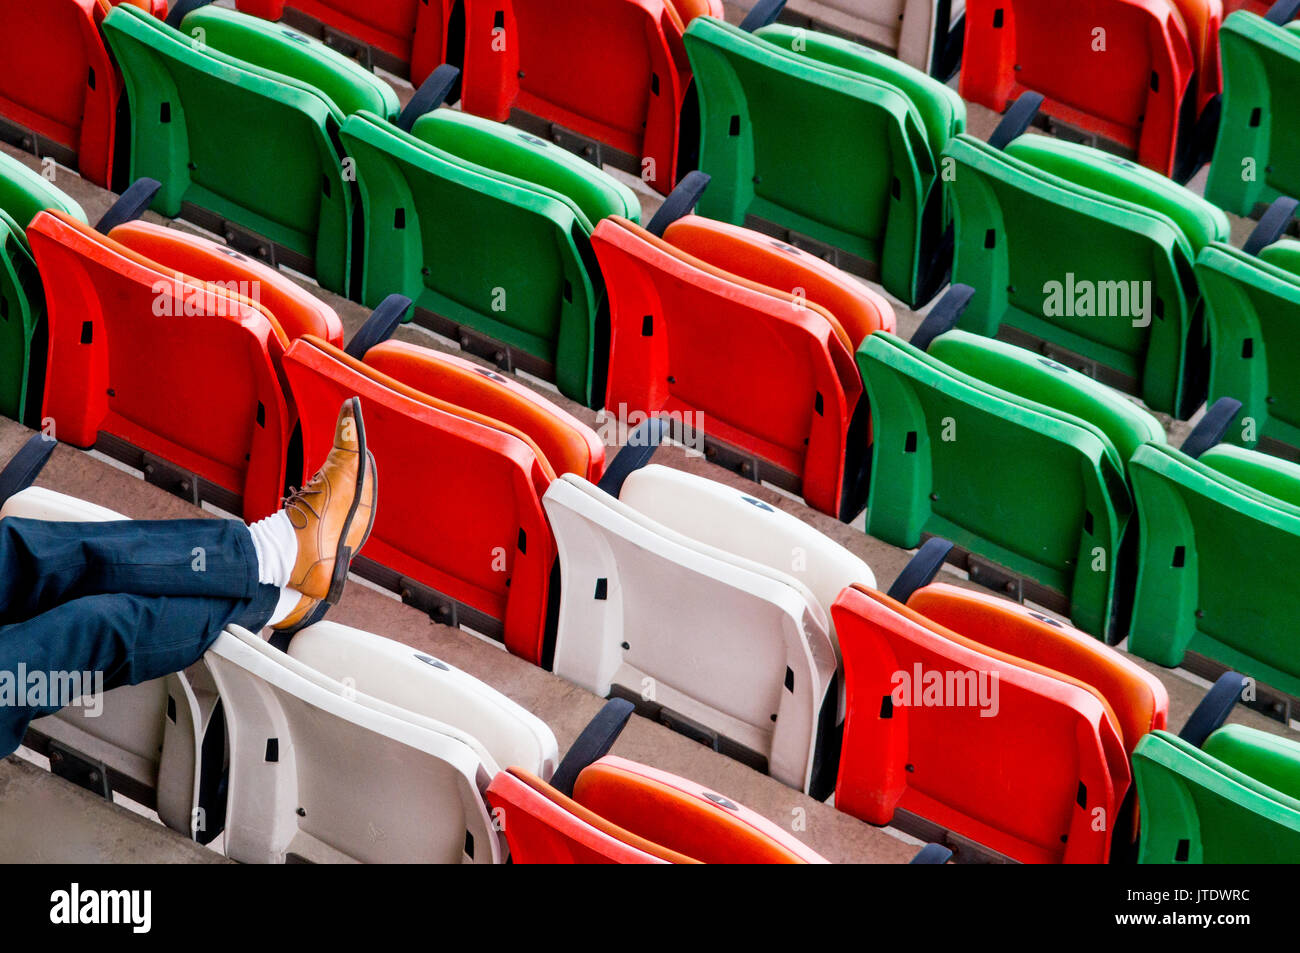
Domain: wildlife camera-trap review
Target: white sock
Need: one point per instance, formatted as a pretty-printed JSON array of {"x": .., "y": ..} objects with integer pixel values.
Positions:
[
  {"x": 288, "y": 602},
  {"x": 276, "y": 545}
]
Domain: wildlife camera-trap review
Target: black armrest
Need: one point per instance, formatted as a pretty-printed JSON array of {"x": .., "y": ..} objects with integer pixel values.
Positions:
[
  {"x": 1282, "y": 12},
  {"x": 593, "y": 744},
  {"x": 641, "y": 445},
  {"x": 25, "y": 465},
  {"x": 1272, "y": 224},
  {"x": 1212, "y": 427},
  {"x": 943, "y": 316},
  {"x": 379, "y": 327},
  {"x": 130, "y": 205},
  {"x": 921, "y": 569},
  {"x": 680, "y": 201},
  {"x": 1214, "y": 708},
  {"x": 1016, "y": 119},
  {"x": 433, "y": 92},
  {"x": 932, "y": 854},
  {"x": 181, "y": 9},
  {"x": 761, "y": 14}
]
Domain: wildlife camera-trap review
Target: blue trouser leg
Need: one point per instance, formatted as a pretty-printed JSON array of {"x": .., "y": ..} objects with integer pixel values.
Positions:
[{"x": 130, "y": 600}]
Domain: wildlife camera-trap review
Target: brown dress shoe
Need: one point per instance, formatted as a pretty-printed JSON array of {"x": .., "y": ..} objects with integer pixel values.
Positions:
[
  {"x": 299, "y": 614},
  {"x": 333, "y": 513}
]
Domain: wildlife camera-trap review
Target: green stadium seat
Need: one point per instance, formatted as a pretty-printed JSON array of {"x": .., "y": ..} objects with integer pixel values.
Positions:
[
  {"x": 239, "y": 118},
  {"x": 1050, "y": 522},
  {"x": 437, "y": 201},
  {"x": 828, "y": 145},
  {"x": 1236, "y": 800},
  {"x": 1257, "y": 152},
  {"x": 1252, "y": 310},
  {"x": 1088, "y": 258},
  {"x": 1218, "y": 540},
  {"x": 23, "y": 193}
]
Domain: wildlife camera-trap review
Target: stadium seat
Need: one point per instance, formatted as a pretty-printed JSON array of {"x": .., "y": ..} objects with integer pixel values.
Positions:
[
  {"x": 925, "y": 34},
  {"x": 1218, "y": 535},
  {"x": 781, "y": 401},
  {"x": 23, "y": 194},
  {"x": 1086, "y": 257},
  {"x": 1236, "y": 800},
  {"x": 353, "y": 747},
  {"x": 829, "y": 145},
  {"x": 242, "y": 129},
  {"x": 472, "y": 453},
  {"x": 682, "y": 595},
  {"x": 195, "y": 403},
  {"x": 1126, "y": 71},
  {"x": 992, "y": 742},
  {"x": 608, "y": 78},
  {"x": 438, "y": 199},
  {"x": 1254, "y": 155},
  {"x": 1050, "y": 524},
  {"x": 1252, "y": 305},
  {"x": 404, "y": 37},
  {"x": 59, "y": 87}
]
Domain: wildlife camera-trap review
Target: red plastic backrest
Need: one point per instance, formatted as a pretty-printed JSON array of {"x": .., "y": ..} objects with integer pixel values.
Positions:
[
  {"x": 569, "y": 445},
  {"x": 751, "y": 362},
  {"x": 684, "y": 816},
  {"x": 1049, "y": 46},
  {"x": 464, "y": 515},
  {"x": 177, "y": 368},
  {"x": 1137, "y": 698},
  {"x": 398, "y": 27},
  {"x": 1034, "y": 780},
  {"x": 296, "y": 310}
]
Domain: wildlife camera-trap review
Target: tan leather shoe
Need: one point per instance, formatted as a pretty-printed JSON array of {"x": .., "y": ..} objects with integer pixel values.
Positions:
[
  {"x": 299, "y": 614},
  {"x": 333, "y": 513}
]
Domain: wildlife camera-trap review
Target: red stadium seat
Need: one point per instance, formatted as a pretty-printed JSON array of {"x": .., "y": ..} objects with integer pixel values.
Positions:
[
  {"x": 59, "y": 88},
  {"x": 612, "y": 71},
  {"x": 1132, "y": 92},
  {"x": 752, "y": 338},
  {"x": 148, "y": 363},
  {"x": 471, "y": 527},
  {"x": 626, "y": 813},
  {"x": 1016, "y": 756}
]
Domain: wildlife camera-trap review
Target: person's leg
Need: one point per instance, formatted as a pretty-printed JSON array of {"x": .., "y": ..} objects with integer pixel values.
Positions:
[
  {"x": 43, "y": 564},
  {"x": 128, "y": 639}
]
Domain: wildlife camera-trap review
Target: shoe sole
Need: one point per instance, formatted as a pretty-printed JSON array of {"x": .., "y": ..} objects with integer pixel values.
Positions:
[{"x": 343, "y": 556}]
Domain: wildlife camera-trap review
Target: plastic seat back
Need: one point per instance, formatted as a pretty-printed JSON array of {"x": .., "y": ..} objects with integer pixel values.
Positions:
[
  {"x": 1199, "y": 809},
  {"x": 1098, "y": 282},
  {"x": 1056, "y": 516},
  {"x": 474, "y": 529},
  {"x": 322, "y": 773},
  {"x": 432, "y": 233},
  {"x": 1202, "y": 583},
  {"x": 784, "y": 390},
  {"x": 715, "y": 645},
  {"x": 281, "y": 192},
  {"x": 201, "y": 393},
  {"x": 1127, "y": 84},
  {"x": 784, "y": 138},
  {"x": 1028, "y": 779}
]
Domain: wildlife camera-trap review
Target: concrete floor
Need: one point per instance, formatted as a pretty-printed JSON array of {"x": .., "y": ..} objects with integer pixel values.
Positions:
[{"x": 106, "y": 833}]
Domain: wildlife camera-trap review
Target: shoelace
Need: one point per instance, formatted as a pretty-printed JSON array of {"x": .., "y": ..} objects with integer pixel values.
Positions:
[{"x": 296, "y": 500}]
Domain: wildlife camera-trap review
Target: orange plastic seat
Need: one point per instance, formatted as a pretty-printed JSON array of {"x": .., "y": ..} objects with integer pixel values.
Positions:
[
  {"x": 753, "y": 339},
  {"x": 624, "y": 812},
  {"x": 163, "y": 365},
  {"x": 471, "y": 525},
  {"x": 1018, "y": 757}
]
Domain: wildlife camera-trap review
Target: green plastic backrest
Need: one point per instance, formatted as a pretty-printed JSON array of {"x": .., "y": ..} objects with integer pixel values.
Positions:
[
  {"x": 1215, "y": 569},
  {"x": 283, "y": 50},
  {"x": 1267, "y": 474},
  {"x": 1268, "y": 759},
  {"x": 855, "y": 172},
  {"x": 942, "y": 110},
  {"x": 515, "y": 153},
  {"x": 1059, "y": 494},
  {"x": 1252, "y": 310},
  {"x": 1198, "y": 809},
  {"x": 280, "y": 176},
  {"x": 23, "y": 193},
  {"x": 1110, "y": 175},
  {"x": 1257, "y": 152},
  {"x": 433, "y": 227},
  {"x": 22, "y": 305},
  {"x": 1284, "y": 254},
  {"x": 1041, "y": 380},
  {"x": 1030, "y": 243}
]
